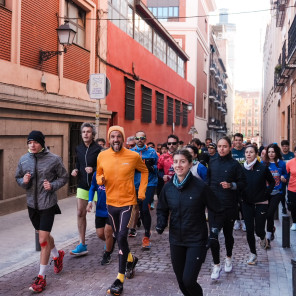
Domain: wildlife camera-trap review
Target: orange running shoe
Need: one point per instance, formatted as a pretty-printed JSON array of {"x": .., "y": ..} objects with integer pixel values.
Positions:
[{"x": 146, "y": 243}]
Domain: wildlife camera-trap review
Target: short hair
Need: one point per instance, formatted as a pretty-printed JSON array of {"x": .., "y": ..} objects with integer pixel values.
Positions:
[
  {"x": 181, "y": 142},
  {"x": 150, "y": 143},
  {"x": 196, "y": 141},
  {"x": 209, "y": 139},
  {"x": 100, "y": 140},
  {"x": 239, "y": 135},
  {"x": 194, "y": 148},
  {"x": 285, "y": 142},
  {"x": 174, "y": 137},
  {"x": 252, "y": 146},
  {"x": 131, "y": 138},
  {"x": 185, "y": 153},
  {"x": 164, "y": 145},
  {"x": 226, "y": 139},
  {"x": 141, "y": 132},
  {"x": 88, "y": 124}
]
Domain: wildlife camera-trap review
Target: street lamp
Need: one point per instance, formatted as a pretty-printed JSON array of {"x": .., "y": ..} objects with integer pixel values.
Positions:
[
  {"x": 66, "y": 36},
  {"x": 189, "y": 107}
]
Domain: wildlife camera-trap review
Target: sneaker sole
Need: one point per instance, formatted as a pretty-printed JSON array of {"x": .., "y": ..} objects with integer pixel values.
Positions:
[
  {"x": 228, "y": 271},
  {"x": 32, "y": 290},
  {"x": 79, "y": 254},
  {"x": 107, "y": 263},
  {"x": 216, "y": 279},
  {"x": 252, "y": 263},
  {"x": 146, "y": 247}
]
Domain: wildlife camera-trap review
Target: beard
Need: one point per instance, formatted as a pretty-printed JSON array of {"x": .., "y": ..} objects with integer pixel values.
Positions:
[{"x": 116, "y": 146}]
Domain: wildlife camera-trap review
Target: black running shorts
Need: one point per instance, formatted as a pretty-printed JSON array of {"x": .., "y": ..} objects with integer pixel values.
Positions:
[
  {"x": 102, "y": 221},
  {"x": 43, "y": 219}
]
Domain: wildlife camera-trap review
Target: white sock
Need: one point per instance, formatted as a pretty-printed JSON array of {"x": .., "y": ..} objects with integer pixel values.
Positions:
[
  {"x": 268, "y": 235},
  {"x": 42, "y": 270},
  {"x": 55, "y": 252}
]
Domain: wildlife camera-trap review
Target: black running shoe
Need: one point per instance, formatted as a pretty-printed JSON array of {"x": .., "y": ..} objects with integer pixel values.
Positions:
[
  {"x": 116, "y": 288},
  {"x": 106, "y": 258},
  {"x": 130, "y": 268}
]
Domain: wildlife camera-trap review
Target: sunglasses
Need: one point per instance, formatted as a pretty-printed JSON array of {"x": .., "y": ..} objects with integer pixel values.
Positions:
[
  {"x": 172, "y": 143},
  {"x": 140, "y": 138}
]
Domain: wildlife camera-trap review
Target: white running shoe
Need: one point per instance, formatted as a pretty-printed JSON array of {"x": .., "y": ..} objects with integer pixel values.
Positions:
[
  {"x": 252, "y": 260},
  {"x": 293, "y": 227},
  {"x": 243, "y": 225},
  {"x": 216, "y": 272},
  {"x": 228, "y": 264},
  {"x": 237, "y": 225}
]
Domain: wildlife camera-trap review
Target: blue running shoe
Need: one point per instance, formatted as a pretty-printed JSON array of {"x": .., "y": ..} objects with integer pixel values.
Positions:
[{"x": 79, "y": 250}]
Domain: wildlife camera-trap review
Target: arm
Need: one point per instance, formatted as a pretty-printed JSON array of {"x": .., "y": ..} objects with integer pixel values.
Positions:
[
  {"x": 141, "y": 167},
  {"x": 62, "y": 176},
  {"x": 284, "y": 175},
  {"x": 269, "y": 178},
  {"x": 100, "y": 173},
  {"x": 21, "y": 178},
  {"x": 162, "y": 212},
  {"x": 202, "y": 171},
  {"x": 241, "y": 181}
]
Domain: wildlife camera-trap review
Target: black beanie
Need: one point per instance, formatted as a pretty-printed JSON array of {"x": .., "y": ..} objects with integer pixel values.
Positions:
[{"x": 36, "y": 136}]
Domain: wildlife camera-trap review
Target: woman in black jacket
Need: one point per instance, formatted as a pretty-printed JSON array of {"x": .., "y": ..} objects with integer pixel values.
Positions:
[
  {"x": 255, "y": 199},
  {"x": 184, "y": 199}
]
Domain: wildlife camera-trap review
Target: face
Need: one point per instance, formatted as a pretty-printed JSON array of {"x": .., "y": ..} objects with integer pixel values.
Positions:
[
  {"x": 181, "y": 166},
  {"x": 192, "y": 153},
  {"x": 208, "y": 142},
  {"x": 263, "y": 153},
  {"x": 158, "y": 148},
  {"x": 285, "y": 149},
  {"x": 238, "y": 143},
  {"x": 34, "y": 147},
  {"x": 164, "y": 150},
  {"x": 130, "y": 144},
  {"x": 140, "y": 139},
  {"x": 211, "y": 150},
  {"x": 172, "y": 145},
  {"x": 86, "y": 135},
  {"x": 271, "y": 154},
  {"x": 250, "y": 154},
  {"x": 102, "y": 144},
  {"x": 116, "y": 140},
  {"x": 223, "y": 147}
]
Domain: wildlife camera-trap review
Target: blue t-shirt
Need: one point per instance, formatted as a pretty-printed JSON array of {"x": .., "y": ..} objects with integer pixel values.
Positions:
[
  {"x": 238, "y": 155},
  {"x": 277, "y": 172},
  {"x": 288, "y": 156}
]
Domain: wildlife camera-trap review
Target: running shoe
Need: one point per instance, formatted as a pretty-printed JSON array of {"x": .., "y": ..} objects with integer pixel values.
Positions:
[
  {"x": 268, "y": 246},
  {"x": 58, "y": 262},
  {"x": 228, "y": 264},
  {"x": 263, "y": 243},
  {"x": 106, "y": 258},
  {"x": 139, "y": 222},
  {"x": 216, "y": 272},
  {"x": 130, "y": 268},
  {"x": 272, "y": 234},
  {"x": 237, "y": 225},
  {"x": 116, "y": 288},
  {"x": 252, "y": 260},
  {"x": 133, "y": 232},
  {"x": 39, "y": 284},
  {"x": 293, "y": 227},
  {"x": 146, "y": 243},
  {"x": 79, "y": 250},
  {"x": 243, "y": 226}
]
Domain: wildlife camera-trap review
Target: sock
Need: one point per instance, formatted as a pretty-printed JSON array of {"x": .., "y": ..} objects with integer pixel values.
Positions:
[
  {"x": 120, "y": 276},
  {"x": 55, "y": 253},
  {"x": 268, "y": 235},
  {"x": 42, "y": 270},
  {"x": 130, "y": 257}
]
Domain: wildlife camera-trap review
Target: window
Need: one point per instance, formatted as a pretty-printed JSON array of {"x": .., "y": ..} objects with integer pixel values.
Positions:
[
  {"x": 170, "y": 114},
  {"x": 120, "y": 12},
  {"x": 146, "y": 104},
  {"x": 185, "y": 114},
  {"x": 180, "y": 67},
  {"x": 243, "y": 122},
  {"x": 249, "y": 122},
  {"x": 76, "y": 17},
  {"x": 159, "y": 47},
  {"x": 177, "y": 112},
  {"x": 164, "y": 13},
  {"x": 172, "y": 59},
  {"x": 249, "y": 133},
  {"x": 143, "y": 33},
  {"x": 159, "y": 107},
  {"x": 129, "y": 99},
  {"x": 2, "y": 2}
]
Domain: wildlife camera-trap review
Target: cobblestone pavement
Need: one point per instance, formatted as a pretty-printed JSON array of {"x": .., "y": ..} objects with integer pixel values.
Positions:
[{"x": 154, "y": 275}]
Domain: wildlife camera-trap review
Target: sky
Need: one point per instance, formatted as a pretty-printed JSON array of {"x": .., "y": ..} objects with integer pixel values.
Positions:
[{"x": 250, "y": 34}]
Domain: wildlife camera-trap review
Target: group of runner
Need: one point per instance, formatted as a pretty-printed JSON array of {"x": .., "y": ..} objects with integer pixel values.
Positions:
[{"x": 222, "y": 179}]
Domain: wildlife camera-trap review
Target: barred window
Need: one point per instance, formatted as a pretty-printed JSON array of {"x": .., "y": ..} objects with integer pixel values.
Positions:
[
  {"x": 159, "y": 107},
  {"x": 2, "y": 2},
  {"x": 178, "y": 112},
  {"x": 185, "y": 114},
  {"x": 170, "y": 114},
  {"x": 129, "y": 99},
  {"x": 146, "y": 104}
]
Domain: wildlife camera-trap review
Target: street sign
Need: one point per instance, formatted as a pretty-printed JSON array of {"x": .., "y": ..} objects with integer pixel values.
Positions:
[{"x": 98, "y": 86}]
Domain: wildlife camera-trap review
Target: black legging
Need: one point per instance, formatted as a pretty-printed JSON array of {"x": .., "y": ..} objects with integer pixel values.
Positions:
[
  {"x": 292, "y": 204},
  {"x": 255, "y": 219},
  {"x": 228, "y": 222},
  {"x": 119, "y": 218},
  {"x": 187, "y": 263},
  {"x": 272, "y": 207}
]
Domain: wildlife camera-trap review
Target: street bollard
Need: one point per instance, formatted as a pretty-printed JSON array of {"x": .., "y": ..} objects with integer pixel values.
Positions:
[
  {"x": 286, "y": 231},
  {"x": 37, "y": 245},
  {"x": 293, "y": 262}
]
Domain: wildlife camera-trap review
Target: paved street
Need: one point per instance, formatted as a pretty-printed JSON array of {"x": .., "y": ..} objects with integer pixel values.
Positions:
[{"x": 154, "y": 275}]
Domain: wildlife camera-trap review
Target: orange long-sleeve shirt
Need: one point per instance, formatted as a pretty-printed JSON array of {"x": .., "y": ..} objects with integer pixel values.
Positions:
[{"x": 118, "y": 170}]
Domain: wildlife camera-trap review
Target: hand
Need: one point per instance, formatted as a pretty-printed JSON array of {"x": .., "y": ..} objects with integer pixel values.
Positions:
[
  {"x": 46, "y": 185},
  {"x": 74, "y": 173},
  {"x": 225, "y": 185},
  {"x": 27, "y": 178},
  {"x": 159, "y": 230},
  {"x": 283, "y": 179},
  {"x": 89, "y": 207},
  {"x": 212, "y": 240},
  {"x": 89, "y": 170},
  {"x": 165, "y": 178}
]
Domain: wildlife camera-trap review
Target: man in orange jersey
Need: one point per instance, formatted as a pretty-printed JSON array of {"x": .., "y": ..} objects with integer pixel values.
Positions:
[{"x": 116, "y": 170}]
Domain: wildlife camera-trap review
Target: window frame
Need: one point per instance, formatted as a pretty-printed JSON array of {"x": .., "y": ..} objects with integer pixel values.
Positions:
[{"x": 159, "y": 108}]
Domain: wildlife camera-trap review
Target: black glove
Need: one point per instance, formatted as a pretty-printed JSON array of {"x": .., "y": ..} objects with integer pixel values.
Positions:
[
  {"x": 213, "y": 239},
  {"x": 149, "y": 164},
  {"x": 159, "y": 230}
]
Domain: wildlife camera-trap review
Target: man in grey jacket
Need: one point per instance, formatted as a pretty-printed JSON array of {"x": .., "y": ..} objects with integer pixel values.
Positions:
[{"x": 42, "y": 173}]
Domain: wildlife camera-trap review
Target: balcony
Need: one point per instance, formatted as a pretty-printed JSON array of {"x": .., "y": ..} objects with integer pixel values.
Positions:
[
  {"x": 217, "y": 76},
  {"x": 280, "y": 12},
  {"x": 292, "y": 44},
  {"x": 213, "y": 69},
  {"x": 220, "y": 85},
  {"x": 212, "y": 94},
  {"x": 217, "y": 100}
]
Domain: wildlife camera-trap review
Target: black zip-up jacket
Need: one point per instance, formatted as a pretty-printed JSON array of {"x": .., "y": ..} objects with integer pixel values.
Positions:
[
  {"x": 229, "y": 170},
  {"x": 186, "y": 208},
  {"x": 257, "y": 190},
  {"x": 86, "y": 157}
]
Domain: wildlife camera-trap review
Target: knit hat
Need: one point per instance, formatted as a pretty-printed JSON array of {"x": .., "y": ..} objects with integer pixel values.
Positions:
[
  {"x": 36, "y": 136},
  {"x": 116, "y": 128},
  {"x": 213, "y": 145}
]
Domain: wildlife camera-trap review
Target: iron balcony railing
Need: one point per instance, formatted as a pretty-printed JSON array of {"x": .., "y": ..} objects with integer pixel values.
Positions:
[{"x": 292, "y": 42}]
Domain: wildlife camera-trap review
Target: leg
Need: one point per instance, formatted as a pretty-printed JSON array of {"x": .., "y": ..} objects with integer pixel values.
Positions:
[
  {"x": 292, "y": 204},
  {"x": 272, "y": 207},
  {"x": 215, "y": 248},
  {"x": 81, "y": 218},
  {"x": 229, "y": 240},
  {"x": 47, "y": 243},
  {"x": 249, "y": 220},
  {"x": 109, "y": 237},
  {"x": 260, "y": 220}
]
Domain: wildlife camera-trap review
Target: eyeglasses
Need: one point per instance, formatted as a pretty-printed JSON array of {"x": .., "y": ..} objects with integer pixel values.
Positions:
[
  {"x": 140, "y": 138},
  {"x": 172, "y": 143}
]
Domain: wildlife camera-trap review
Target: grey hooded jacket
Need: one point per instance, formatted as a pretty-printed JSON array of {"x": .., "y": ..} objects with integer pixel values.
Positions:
[{"x": 42, "y": 166}]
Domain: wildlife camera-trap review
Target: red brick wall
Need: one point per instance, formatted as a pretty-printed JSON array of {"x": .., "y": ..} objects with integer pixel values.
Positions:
[
  {"x": 5, "y": 33},
  {"x": 77, "y": 64},
  {"x": 38, "y": 31}
]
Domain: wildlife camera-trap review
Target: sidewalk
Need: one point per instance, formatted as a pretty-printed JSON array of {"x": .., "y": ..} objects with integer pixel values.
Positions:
[{"x": 154, "y": 275}]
